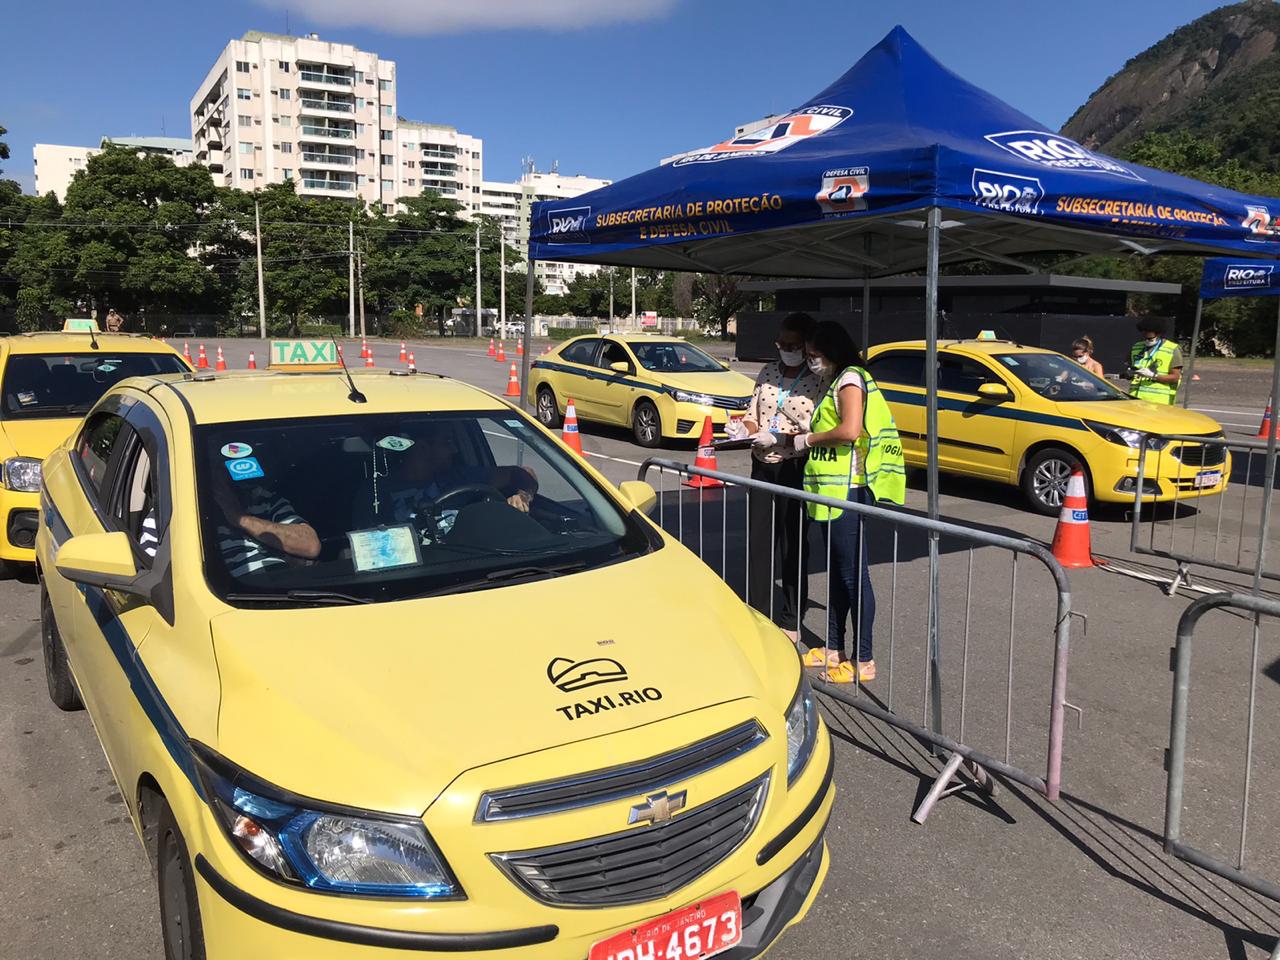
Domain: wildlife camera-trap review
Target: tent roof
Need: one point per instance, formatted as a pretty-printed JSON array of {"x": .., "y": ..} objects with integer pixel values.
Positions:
[
  {"x": 837, "y": 188},
  {"x": 1019, "y": 281}
]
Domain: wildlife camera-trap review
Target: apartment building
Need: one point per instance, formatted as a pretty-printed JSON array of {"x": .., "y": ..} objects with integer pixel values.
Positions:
[
  {"x": 534, "y": 186},
  {"x": 57, "y": 164},
  {"x": 435, "y": 156},
  {"x": 275, "y": 108},
  {"x": 502, "y": 202}
]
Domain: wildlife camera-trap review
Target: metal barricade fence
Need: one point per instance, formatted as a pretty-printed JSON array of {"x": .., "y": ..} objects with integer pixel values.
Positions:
[
  {"x": 689, "y": 518},
  {"x": 1256, "y": 607},
  {"x": 1226, "y": 535}
]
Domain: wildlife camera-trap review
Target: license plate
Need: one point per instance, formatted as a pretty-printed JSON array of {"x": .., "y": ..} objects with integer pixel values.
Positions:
[
  {"x": 690, "y": 933},
  {"x": 1209, "y": 478}
]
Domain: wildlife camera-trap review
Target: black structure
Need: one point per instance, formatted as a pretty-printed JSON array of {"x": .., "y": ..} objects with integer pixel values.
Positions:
[{"x": 1046, "y": 310}]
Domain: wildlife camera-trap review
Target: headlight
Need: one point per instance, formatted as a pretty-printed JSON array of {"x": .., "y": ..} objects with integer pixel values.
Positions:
[
  {"x": 322, "y": 847},
  {"x": 1125, "y": 436},
  {"x": 22, "y": 473},
  {"x": 699, "y": 398},
  {"x": 802, "y": 729}
]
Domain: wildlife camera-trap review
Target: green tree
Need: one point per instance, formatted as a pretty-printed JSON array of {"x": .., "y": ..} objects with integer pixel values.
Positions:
[
  {"x": 4, "y": 147},
  {"x": 717, "y": 299},
  {"x": 42, "y": 266}
]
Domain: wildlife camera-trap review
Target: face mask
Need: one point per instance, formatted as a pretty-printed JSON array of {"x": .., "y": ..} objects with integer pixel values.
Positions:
[
  {"x": 1082, "y": 359},
  {"x": 791, "y": 358},
  {"x": 818, "y": 365}
]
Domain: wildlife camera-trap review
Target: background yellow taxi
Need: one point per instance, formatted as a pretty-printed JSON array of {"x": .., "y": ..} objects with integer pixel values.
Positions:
[
  {"x": 658, "y": 386},
  {"x": 47, "y": 383},
  {"x": 359, "y": 702},
  {"x": 1027, "y": 416}
]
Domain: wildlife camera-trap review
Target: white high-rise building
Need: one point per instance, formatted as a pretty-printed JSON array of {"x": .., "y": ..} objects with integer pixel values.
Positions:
[
  {"x": 56, "y": 164},
  {"x": 555, "y": 276},
  {"x": 435, "y": 156},
  {"x": 275, "y": 108}
]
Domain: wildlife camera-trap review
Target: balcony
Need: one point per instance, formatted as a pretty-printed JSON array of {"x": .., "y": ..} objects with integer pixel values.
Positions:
[
  {"x": 215, "y": 145},
  {"x": 326, "y": 108},
  {"x": 438, "y": 169},
  {"x": 312, "y": 159},
  {"x": 328, "y": 187},
  {"x": 215, "y": 167},
  {"x": 327, "y": 133},
  {"x": 447, "y": 154},
  {"x": 323, "y": 79}
]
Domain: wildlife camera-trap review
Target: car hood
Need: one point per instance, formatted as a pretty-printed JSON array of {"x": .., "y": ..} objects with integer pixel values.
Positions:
[
  {"x": 1141, "y": 415},
  {"x": 36, "y": 438},
  {"x": 724, "y": 384},
  {"x": 381, "y": 706}
]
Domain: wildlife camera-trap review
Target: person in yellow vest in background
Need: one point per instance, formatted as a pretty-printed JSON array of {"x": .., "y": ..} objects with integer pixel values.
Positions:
[
  {"x": 1155, "y": 364},
  {"x": 855, "y": 454}
]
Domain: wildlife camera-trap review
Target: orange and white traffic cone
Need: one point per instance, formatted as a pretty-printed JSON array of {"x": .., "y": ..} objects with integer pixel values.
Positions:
[
  {"x": 492, "y": 352},
  {"x": 519, "y": 348},
  {"x": 569, "y": 432},
  {"x": 253, "y": 363},
  {"x": 202, "y": 362},
  {"x": 502, "y": 352},
  {"x": 186, "y": 353},
  {"x": 1268, "y": 423},
  {"x": 513, "y": 382},
  {"x": 1071, "y": 538},
  {"x": 706, "y": 459},
  {"x": 221, "y": 363},
  {"x": 368, "y": 360},
  {"x": 404, "y": 355},
  {"x": 365, "y": 352},
  {"x": 413, "y": 366}
]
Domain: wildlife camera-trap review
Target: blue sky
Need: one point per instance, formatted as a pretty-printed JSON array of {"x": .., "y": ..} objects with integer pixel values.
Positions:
[{"x": 606, "y": 87}]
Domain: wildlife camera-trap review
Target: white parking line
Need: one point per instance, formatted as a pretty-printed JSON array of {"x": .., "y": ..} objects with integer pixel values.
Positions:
[
  {"x": 605, "y": 456},
  {"x": 1238, "y": 413}
]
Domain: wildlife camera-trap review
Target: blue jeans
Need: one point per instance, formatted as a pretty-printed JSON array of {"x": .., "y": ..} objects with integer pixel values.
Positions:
[{"x": 850, "y": 578}]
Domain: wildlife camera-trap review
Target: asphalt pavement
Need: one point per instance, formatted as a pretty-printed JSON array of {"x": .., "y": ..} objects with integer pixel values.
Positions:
[{"x": 984, "y": 879}]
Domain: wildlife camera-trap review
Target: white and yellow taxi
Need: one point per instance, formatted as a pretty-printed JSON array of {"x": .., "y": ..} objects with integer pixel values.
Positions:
[
  {"x": 47, "y": 382},
  {"x": 377, "y": 667}
]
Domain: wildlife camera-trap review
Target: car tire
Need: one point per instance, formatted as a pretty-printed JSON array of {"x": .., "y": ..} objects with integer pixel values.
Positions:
[
  {"x": 646, "y": 424},
  {"x": 546, "y": 409},
  {"x": 1044, "y": 478},
  {"x": 57, "y": 672},
  {"x": 180, "y": 926}
]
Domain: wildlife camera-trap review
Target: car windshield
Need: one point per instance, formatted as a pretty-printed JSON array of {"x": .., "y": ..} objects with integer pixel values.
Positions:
[
  {"x": 674, "y": 356},
  {"x": 1058, "y": 378},
  {"x": 68, "y": 384},
  {"x": 379, "y": 507}
]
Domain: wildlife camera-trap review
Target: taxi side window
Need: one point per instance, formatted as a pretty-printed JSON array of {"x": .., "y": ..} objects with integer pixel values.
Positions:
[
  {"x": 97, "y": 442},
  {"x": 962, "y": 375},
  {"x": 584, "y": 351},
  {"x": 613, "y": 352},
  {"x": 899, "y": 366},
  {"x": 133, "y": 507}
]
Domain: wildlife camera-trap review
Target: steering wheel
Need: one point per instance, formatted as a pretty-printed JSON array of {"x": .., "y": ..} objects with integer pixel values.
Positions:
[{"x": 469, "y": 493}]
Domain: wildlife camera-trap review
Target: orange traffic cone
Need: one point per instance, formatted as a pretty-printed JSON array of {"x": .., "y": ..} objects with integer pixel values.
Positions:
[
  {"x": 253, "y": 364},
  {"x": 706, "y": 459},
  {"x": 519, "y": 348},
  {"x": 513, "y": 383},
  {"x": 404, "y": 356},
  {"x": 1268, "y": 423},
  {"x": 413, "y": 366},
  {"x": 1071, "y": 538},
  {"x": 186, "y": 353},
  {"x": 368, "y": 360},
  {"x": 221, "y": 363},
  {"x": 569, "y": 433},
  {"x": 365, "y": 352},
  {"x": 492, "y": 352},
  {"x": 202, "y": 362},
  {"x": 502, "y": 352}
]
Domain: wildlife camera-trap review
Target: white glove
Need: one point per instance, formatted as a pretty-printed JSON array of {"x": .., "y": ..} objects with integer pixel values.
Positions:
[
  {"x": 803, "y": 440},
  {"x": 764, "y": 439},
  {"x": 735, "y": 430},
  {"x": 1146, "y": 372}
]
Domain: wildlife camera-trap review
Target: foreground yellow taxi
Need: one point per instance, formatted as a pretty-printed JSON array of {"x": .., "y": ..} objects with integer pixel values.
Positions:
[
  {"x": 1026, "y": 416},
  {"x": 659, "y": 387},
  {"x": 377, "y": 667},
  {"x": 47, "y": 382}
]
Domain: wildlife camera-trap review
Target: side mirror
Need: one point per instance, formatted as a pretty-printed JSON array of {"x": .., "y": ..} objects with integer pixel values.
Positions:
[
  {"x": 639, "y": 494},
  {"x": 994, "y": 391},
  {"x": 620, "y": 366},
  {"x": 99, "y": 560}
]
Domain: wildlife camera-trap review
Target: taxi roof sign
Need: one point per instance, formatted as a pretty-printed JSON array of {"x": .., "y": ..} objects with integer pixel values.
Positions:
[
  {"x": 80, "y": 325},
  {"x": 987, "y": 335},
  {"x": 302, "y": 355}
]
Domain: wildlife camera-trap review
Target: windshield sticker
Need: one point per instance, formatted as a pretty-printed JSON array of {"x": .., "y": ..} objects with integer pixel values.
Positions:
[
  {"x": 1010, "y": 361},
  {"x": 106, "y": 367},
  {"x": 514, "y": 424},
  {"x": 384, "y": 548},
  {"x": 395, "y": 443},
  {"x": 26, "y": 397},
  {"x": 244, "y": 468},
  {"x": 234, "y": 451}
]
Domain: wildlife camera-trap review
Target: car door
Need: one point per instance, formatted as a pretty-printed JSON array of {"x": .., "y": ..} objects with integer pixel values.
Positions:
[
  {"x": 900, "y": 376},
  {"x": 611, "y": 392},
  {"x": 975, "y": 433},
  {"x": 577, "y": 372}
]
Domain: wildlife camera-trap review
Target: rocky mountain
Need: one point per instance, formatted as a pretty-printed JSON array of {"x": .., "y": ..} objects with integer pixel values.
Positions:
[{"x": 1217, "y": 77}]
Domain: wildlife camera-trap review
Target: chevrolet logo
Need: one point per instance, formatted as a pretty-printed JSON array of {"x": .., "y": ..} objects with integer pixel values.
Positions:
[{"x": 658, "y": 808}]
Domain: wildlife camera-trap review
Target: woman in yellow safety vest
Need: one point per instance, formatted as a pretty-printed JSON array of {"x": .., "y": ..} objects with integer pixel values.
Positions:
[
  {"x": 855, "y": 454},
  {"x": 1155, "y": 364}
]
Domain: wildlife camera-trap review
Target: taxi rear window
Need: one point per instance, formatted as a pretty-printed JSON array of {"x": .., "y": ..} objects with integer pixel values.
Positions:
[{"x": 67, "y": 384}]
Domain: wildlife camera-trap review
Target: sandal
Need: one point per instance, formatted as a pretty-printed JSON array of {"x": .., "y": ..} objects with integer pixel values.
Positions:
[
  {"x": 820, "y": 657},
  {"x": 840, "y": 673}
]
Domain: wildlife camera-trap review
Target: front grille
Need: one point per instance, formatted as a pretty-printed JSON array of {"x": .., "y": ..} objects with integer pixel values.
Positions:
[
  {"x": 731, "y": 403},
  {"x": 628, "y": 780},
  {"x": 639, "y": 864},
  {"x": 1201, "y": 455}
]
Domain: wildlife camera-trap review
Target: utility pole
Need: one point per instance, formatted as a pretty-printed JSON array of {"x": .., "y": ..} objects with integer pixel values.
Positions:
[
  {"x": 633, "y": 296},
  {"x": 360, "y": 285},
  {"x": 262, "y": 300},
  {"x": 478, "y": 322},
  {"x": 611, "y": 273},
  {"x": 502, "y": 283},
  {"x": 351, "y": 278}
]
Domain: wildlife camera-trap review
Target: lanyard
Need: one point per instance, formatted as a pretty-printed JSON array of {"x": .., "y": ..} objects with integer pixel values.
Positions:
[
  {"x": 785, "y": 395},
  {"x": 1150, "y": 355}
]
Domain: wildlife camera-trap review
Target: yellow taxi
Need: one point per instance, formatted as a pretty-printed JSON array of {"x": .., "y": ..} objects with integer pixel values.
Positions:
[
  {"x": 658, "y": 386},
  {"x": 1028, "y": 417},
  {"x": 47, "y": 383},
  {"x": 376, "y": 665}
]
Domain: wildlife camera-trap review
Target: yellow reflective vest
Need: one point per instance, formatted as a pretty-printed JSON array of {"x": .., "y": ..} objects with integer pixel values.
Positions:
[{"x": 1159, "y": 357}]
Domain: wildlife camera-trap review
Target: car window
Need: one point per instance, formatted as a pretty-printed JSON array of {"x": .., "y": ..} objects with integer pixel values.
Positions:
[
  {"x": 674, "y": 356},
  {"x": 66, "y": 384},
  {"x": 134, "y": 505},
  {"x": 899, "y": 366},
  {"x": 383, "y": 507},
  {"x": 963, "y": 375},
  {"x": 613, "y": 352},
  {"x": 98, "y": 440},
  {"x": 1059, "y": 378},
  {"x": 584, "y": 351}
]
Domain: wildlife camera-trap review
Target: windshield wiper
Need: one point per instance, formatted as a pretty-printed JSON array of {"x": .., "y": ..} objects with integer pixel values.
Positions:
[
  {"x": 318, "y": 598},
  {"x": 504, "y": 577}
]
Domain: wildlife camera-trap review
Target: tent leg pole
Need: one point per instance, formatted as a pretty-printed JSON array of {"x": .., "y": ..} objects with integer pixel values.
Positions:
[
  {"x": 1191, "y": 364},
  {"x": 528, "y": 332},
  {"x": 1269, "y": 485},
  {"x": 934, "y": 229},
  {"x": 866, "y": 315}
]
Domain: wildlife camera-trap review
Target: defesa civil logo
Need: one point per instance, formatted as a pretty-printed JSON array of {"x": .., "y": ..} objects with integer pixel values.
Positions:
[
  {"x": 568, "y": 225},
  {"x": 1057, "y": 152},
  {"x": 1240, "y": 276},
  {"x": 778, "y": 135},
  {"x": 844, "y": 190},
  {"x": 1007, "y": 192}
]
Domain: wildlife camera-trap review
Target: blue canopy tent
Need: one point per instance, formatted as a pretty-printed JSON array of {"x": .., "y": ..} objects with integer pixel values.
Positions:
[{"x": 899, "y": 165}]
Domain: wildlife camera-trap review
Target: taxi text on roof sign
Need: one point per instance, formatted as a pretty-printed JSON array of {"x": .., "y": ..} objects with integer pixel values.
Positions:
[
  {"x": 80, "y": 325},
  {"x": 303, "y": 355}
]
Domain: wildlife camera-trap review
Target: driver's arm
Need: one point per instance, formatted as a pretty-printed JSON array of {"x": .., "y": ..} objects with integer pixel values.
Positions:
[
  {"x": 296, "y": 539},
  {"x": 519, "y": 484}
]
